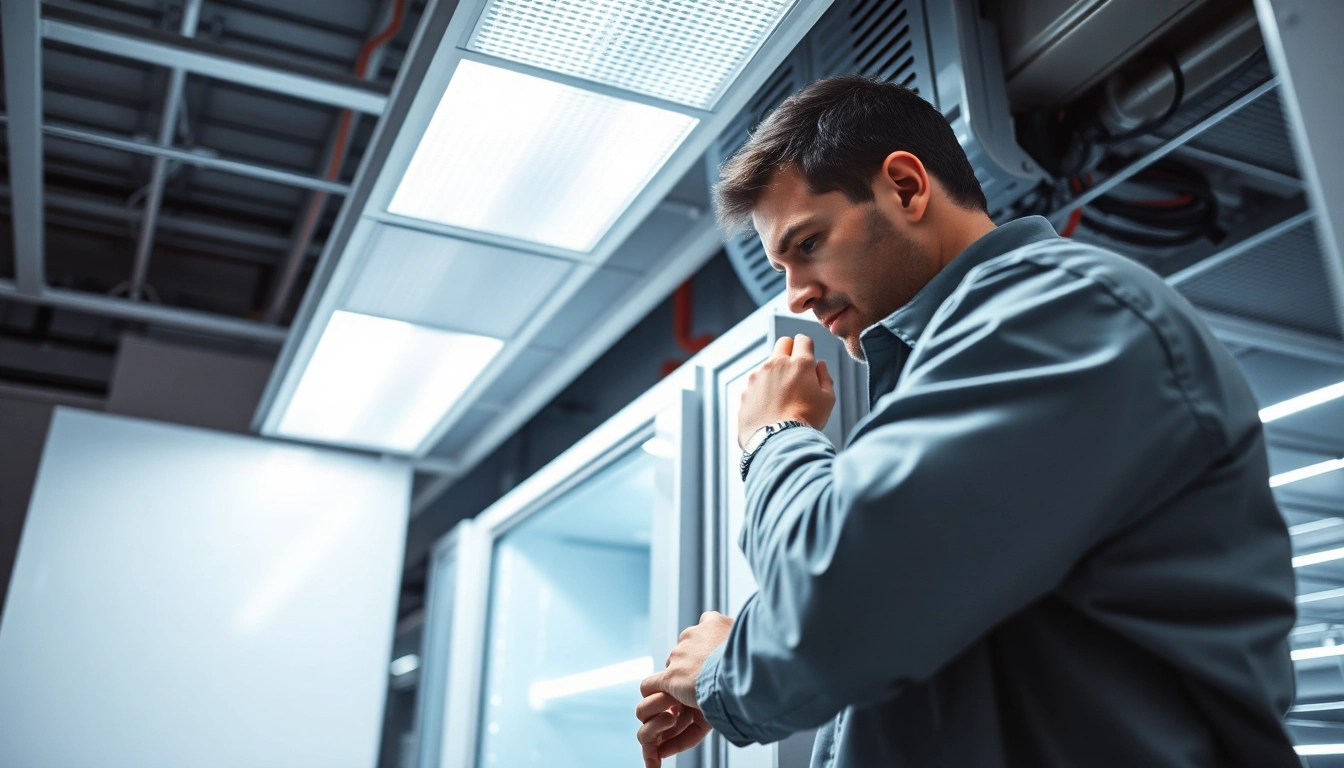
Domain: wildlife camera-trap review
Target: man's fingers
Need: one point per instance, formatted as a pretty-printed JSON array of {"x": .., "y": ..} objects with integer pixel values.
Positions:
[
  {"x": 651, "y": 731},
  {"x": 692, "y": 735},
  {"x": 802, "y": 347},
  {"x": 784, "y": 346},
  {"x": 824, "y": 378},
  {"x": 651, "y": 685},
  {"x": 658, "y": 702}
]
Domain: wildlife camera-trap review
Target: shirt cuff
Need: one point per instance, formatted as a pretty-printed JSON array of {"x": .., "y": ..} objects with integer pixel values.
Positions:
[{"x": 709, "y": 695}]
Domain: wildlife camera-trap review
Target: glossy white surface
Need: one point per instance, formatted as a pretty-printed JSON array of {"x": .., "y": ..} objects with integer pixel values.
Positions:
[{"x": 185, "y": 597}]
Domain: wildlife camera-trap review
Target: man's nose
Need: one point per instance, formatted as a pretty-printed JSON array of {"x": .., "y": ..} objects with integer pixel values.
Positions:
[{"x": 802, "y": 291}]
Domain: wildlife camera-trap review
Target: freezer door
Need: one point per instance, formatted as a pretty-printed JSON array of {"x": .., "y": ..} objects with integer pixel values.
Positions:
[
  {"x": 733, "y": 576},
  {"x": 588, "y": 590}
]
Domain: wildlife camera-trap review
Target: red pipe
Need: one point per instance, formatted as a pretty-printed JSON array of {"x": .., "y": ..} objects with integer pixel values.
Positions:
[{"x": 683, "y": 307}]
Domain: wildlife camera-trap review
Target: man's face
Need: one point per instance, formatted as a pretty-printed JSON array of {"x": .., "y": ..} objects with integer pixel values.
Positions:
[{"x": 849, "y": 263}]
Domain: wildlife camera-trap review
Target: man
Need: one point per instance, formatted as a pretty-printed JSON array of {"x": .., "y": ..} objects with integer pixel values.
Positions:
[{"x": 1051, "y": 542}]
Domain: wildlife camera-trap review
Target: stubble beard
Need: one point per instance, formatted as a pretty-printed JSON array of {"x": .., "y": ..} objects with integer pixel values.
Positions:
[{"x": 884, "y": 243}]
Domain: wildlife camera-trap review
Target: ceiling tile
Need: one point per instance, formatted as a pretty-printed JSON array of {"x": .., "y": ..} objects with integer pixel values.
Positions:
[{"x": 454, "y": 284}]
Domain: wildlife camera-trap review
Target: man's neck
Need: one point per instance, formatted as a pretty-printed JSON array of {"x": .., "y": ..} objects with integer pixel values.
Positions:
[{"x": 962, "y": 229}]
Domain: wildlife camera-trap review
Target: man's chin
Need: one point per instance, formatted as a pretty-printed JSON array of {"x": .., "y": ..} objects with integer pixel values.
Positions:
[{"x": 854, "y": 349}]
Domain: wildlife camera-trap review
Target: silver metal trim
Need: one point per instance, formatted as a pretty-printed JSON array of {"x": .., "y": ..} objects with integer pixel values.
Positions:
[
  {"x": 195, "y": 158},
  {"x": 1252, "y": 333},
  {"x": 158, "y": 176},
  {"x": 170, "y": 317},
  {"x": 212, "y": 60},
  {"x": 23, "y": 94}
]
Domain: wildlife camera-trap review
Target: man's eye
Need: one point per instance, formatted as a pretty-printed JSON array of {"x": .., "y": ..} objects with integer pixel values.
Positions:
[
  {"x": 777, "y": 268},
  {"x": 807, "y": 245}
]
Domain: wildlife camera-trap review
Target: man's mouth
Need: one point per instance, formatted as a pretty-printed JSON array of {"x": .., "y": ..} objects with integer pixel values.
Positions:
[{"x": 829, "y": 322}]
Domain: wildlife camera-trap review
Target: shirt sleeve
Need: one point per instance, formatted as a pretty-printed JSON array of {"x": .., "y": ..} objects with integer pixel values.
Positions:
[{"x": 1039, "y": 413}]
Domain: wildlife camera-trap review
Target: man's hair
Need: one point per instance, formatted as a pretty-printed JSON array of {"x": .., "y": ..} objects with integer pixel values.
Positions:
[{"x": 838, "y": 131}]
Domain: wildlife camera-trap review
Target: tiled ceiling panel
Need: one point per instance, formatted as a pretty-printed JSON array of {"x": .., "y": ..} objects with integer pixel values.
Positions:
[{"x": 453, "y": 284}]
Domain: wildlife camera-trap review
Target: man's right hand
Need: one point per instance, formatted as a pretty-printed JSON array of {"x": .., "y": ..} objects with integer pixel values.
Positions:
[{"x": 669, "y": 727}]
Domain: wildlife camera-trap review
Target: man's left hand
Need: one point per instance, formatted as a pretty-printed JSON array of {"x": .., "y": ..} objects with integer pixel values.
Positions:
[
  {"x": 670, "y": 712},
  {"x": 791, "y": 386}
]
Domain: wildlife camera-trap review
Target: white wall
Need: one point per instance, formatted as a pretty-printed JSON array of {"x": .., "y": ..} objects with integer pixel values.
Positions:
[{"x": 188, "y": 598}]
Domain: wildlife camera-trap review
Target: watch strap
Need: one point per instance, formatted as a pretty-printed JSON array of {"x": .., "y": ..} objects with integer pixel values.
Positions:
[{"x": 770, "y": 430}]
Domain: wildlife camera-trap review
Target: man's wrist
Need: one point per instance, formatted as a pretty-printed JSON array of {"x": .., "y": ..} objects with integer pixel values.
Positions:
[{"x": 758, "y": 439}]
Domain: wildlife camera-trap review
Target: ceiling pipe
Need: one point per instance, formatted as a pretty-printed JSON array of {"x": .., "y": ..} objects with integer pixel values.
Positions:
[
  {"x": 289, "y": 272},
  {"x": 158, "y": 177}
]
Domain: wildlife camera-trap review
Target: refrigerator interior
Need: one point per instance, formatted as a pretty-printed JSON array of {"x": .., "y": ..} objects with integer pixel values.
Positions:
[{"x": 568, "y": 637}]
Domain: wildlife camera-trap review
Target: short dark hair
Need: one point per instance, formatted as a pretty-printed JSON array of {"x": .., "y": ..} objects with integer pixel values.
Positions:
[{"x": 838, "y": 131}]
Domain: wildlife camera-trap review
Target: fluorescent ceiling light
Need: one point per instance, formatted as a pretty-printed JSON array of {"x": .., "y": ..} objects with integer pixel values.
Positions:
[
  {"x": 1312, "y": 597},
  {"x": 532, "y": 159},
  {"x": 1302, "y": 402},
  {"x": 1319, "y": 749},
  {"x": 1316, "y": 558},
  {"x": 1319, "y": 652},
  {"x": 1315, "y": 525},
  {"x": 686, "y": 52},
  {"x": 1302, "y": 473},
  {"x": 631, "y": 671},
  {"x": 404, "y": 665},
  {"x": 1324, "y": 706},
  {"x": 383, "y": 384}
]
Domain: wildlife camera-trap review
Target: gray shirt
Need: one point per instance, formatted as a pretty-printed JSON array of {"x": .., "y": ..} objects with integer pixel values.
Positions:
[{"x": 1050, "y": 543}]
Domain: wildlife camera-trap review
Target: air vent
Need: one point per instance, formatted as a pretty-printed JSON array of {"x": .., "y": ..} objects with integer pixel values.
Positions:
[
  {"x": 1282, "y": 282},
  {"x": 886, "y": 39}
]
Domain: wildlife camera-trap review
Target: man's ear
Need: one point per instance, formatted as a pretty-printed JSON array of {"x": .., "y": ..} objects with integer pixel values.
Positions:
[{"x": 904, "y": 180}]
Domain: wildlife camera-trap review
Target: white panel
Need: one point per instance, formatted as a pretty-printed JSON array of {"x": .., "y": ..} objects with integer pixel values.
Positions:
[
  {"x": 528, "y": 158},
  {"x": 184, "y": 597},
  {"x": 687, "y": 52},
  {"x": 454, "y": 284}
]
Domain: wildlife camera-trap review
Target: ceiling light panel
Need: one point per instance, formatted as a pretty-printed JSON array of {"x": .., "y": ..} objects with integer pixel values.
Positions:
[
  {"x": 528, "y": 158},
  {"x": 382, "y": 384},
  {"x": 685, "y": 51},
  {"x": 452, "y": 284}
]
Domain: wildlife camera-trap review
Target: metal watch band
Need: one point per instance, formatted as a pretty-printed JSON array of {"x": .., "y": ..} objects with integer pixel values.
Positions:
[{"x": 770, "y": 430}]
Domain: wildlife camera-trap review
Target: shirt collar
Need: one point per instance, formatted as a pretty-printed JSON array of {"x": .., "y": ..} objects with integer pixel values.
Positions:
[{"x": 908, "y": 322}]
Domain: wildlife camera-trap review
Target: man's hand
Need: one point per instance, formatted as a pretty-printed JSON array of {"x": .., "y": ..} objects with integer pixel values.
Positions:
[
  {"x": 791, "y": 386},
  {"x": 670, "y": 712}
]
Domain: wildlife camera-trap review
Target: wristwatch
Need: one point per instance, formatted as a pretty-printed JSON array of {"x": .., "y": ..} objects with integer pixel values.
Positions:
[{"x": 758, "y": 438}]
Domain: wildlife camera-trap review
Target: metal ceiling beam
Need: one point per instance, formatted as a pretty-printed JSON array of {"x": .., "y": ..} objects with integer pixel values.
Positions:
[
  {"x": 1164, "y": 149},
  {"x": 140, "y": 312},
  {"x": 1302, "y": 39},
  {"x": 1252, "y": 333},
  {"x": 158, "y": 175},
  {"x": 195, "y": 157},
  {"x": 167, "y": 49},
  {"x": 19, "y": 20},
  {"x": 224, "y": 233}
]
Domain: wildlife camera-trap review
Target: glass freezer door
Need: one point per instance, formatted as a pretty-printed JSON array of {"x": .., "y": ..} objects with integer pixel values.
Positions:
[
  {"x": 585, "y": 589},
  {"x": 732, "y": 575}
]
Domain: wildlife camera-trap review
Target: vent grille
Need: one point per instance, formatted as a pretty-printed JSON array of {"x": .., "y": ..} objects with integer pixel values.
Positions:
[
  {"x": 886, "y": 39},
  {"x": 686, "y": 52},
  {"x": 1281, "y": 282}
]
